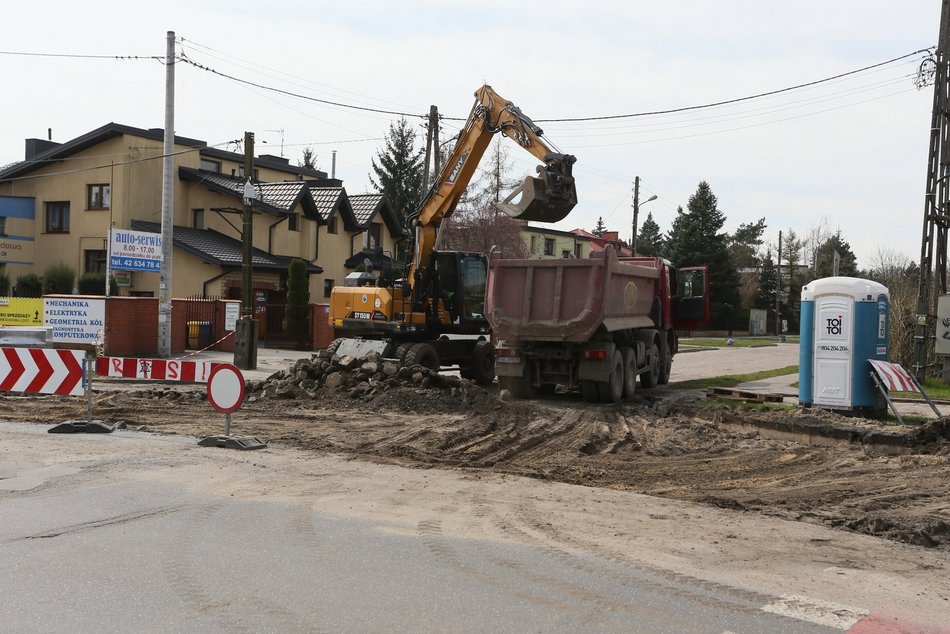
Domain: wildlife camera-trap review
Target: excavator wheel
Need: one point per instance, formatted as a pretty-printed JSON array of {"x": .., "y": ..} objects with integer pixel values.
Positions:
[
  {"x": 422, "y": 354},
  {"x": 481, "y": 369},
  {"x": 334, "y": 345},
  {"x": 401, "y": 351}
]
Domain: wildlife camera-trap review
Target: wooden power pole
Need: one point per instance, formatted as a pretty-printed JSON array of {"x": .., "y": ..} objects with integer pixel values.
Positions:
[{"x": 933, "y": 247}]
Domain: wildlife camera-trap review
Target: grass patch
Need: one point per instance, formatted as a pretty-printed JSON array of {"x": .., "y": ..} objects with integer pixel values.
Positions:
[
  {"x": 738, "y": 342},
  {"x": 732, "y": 380}
]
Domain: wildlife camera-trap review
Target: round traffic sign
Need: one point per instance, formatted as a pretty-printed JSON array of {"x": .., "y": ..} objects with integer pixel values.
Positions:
[{"x": 226, "y": 388}]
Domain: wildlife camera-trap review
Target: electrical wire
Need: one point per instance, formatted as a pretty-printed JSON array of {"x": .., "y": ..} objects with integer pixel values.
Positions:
[{"x": 76, "y": 56}]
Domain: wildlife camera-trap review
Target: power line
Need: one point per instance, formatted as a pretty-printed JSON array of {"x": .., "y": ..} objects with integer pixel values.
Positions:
[{"x": 77, "y": 56}]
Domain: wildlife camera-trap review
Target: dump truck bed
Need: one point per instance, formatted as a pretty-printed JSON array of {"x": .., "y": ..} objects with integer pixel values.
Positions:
[{"x": 569, "y": 299}]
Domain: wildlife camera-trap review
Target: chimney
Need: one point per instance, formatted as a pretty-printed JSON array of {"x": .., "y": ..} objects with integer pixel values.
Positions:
[
  {"x": 611, "y": 235},
  {"x": 38, "y": 146},
  {"x": 333, "y": 166}
]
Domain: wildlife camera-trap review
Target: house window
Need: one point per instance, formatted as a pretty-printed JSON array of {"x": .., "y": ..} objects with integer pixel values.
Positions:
[
  {"x": 293, "y": 222},
  {"x": 97, "y": 196},
  {"x": 198, "y": 218},
  {"x": 578, "y": 250},
  {"x": 331, "y": 224},
  {"x": 241, "y": 173},
  {"x": 3, "y": 225},
  {"x": 327, "y": 287},
  {"x": 565, "y": 253},
  {"x": 95, "y": 260},
  {"x": 371, "y": 237},
  {"x": 548, "y": 246},
  {"x": 57, "y": 217},
  {"x": 210, "y": 166}
]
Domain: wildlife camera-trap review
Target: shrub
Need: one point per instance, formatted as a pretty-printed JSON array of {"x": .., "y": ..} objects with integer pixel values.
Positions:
[
  {"x": 58, "y": 279},
  {"x": 298, "y": 299},
  {"x": 94, "y": 284},
  {"x": 4, "y": 285},
  {"x": 29, "y": 285}
]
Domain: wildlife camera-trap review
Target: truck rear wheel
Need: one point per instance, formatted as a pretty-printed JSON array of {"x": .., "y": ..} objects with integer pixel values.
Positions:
[
  {"x": 422, "y": 354},
  {"x": 665, "y": 363},
  {"x": 517, "y": 385},
  {"x": 481, "y": 368},
  {"x": 612, "y": 390},
  {"x": 629, "y": 371},
  {"x": 652, "y": 375},
  {"x": 590, "y": 391}
]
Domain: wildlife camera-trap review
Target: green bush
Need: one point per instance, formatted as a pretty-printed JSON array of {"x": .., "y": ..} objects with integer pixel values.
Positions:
[
  {"x": 95, "y": 283},
  {"x": 58, "y": 279},
  {"x": 29, "y": 285},
  {"x": 298, "y": 300},
  {"x": 4, "y": 285}
]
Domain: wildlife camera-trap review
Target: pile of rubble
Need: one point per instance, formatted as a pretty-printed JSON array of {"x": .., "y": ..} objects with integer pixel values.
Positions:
[{"x": 361, "y": 377}]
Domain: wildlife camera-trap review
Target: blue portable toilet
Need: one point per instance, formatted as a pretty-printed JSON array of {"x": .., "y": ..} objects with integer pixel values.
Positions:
[{"x": 844, "y": 322}]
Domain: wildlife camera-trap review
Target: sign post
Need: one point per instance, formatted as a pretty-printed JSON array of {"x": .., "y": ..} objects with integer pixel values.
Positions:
[{"x": 225, "y": 394}]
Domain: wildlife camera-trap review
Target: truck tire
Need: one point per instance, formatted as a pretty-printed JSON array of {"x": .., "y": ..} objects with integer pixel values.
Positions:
[
  {"x": 652, "y": 375},
  {"x": 665, "y": 365},
  {"x": 590, "y": 391},
  {"x": 612, "y": 390},
  {"x": 481, "y": 368},
  {"x": 629, "y": 371},
  {"x": 422, "y": 354}
]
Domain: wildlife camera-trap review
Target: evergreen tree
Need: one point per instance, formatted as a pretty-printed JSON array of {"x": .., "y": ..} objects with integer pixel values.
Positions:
[
  {"x": 768, "y": 283},
  {"x": 650, "y": 238},
  {"x": 398, "y": 169},
  {"x": 309, "y": 159},
  {"x": 600, "y": 227},
  {"x": 696, "y": 239},
  {"x": 298, "y": 300},
  {"x": 744, "y": 244},
  {"x": 825, "y": 256}
]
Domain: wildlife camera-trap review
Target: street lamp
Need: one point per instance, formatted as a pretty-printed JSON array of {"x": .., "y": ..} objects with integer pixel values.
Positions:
[{"x": 636, "y": 213}]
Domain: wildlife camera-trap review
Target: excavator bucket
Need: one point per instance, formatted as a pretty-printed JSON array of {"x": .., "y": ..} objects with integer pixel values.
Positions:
[{"x": 538, "y": 203}]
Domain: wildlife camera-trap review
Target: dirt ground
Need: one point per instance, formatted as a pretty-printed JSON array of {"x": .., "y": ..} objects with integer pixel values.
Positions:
[{"x": 849, "y": 474}]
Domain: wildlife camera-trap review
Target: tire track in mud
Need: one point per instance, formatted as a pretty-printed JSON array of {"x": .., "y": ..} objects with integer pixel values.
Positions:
[{"x": 184, "y": 581}]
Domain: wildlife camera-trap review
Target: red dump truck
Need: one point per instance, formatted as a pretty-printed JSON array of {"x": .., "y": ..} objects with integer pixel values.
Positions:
[{"x": 592, "y": 324}]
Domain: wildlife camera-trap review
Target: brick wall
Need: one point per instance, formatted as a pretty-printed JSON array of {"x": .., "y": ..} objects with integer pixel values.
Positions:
[{"x": 320, "y": 330}]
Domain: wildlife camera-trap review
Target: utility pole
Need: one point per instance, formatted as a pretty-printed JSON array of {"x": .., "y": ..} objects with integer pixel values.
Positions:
[
  {"x": 636, "y": 212},
  {"x": 245, "y": 343},
  {"x": 432, "y": 125},
  {"x": 778, "y": 288},
  {"x": 168, "y": 206},
  {"x": 933, "y": 243}
]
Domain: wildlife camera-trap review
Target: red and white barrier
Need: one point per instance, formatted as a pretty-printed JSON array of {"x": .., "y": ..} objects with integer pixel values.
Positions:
[
  {"x": 40, "y": 371},
  {"x": 155, "y": 369},
  {"x": 894, "y": 377}
]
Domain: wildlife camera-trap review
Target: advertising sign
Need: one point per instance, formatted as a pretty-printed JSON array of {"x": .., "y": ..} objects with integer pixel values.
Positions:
[
  {"x": 135, "y": 250},
  {"x": 232, "y": 311},
  {"x": 943, "y": 325},
  {"x": 16, "y": 220},
  {"x": 74, "y": 320},
  {"x": 21, "y": 311}
]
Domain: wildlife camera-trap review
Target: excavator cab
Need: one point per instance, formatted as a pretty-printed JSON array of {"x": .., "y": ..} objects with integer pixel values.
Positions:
[
  {"x": 546, "y": 199},
  {"x": 459, "y": 281}
]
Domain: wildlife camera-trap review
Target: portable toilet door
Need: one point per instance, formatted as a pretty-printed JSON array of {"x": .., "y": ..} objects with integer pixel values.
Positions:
[{"x": 844, "y": 323}]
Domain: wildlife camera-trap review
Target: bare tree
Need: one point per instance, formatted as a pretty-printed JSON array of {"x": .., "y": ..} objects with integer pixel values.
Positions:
[
  {"x": 480, "y": 227},
  {"x": 899, "y": 274}
]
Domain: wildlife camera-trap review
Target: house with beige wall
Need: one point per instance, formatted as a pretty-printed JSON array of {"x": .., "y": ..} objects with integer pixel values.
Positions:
[
  {"x": 57, "y": 205},
  {"x": 546, "y": 243}
]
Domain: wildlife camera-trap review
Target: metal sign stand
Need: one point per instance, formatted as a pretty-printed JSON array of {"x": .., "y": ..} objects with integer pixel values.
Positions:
[
  {"x": 226, "y": 393},
  {"x": 87, "y": 426}
]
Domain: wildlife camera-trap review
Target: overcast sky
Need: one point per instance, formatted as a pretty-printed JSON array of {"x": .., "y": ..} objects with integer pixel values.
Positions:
[{"x": 848, "y": 154}]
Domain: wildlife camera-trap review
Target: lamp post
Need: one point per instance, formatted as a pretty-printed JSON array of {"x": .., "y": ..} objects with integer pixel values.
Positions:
[{"x": 636, "y": 212}]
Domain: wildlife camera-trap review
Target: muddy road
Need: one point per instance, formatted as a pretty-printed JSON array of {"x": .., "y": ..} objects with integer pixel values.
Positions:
[{"x": 854, "y": 475}]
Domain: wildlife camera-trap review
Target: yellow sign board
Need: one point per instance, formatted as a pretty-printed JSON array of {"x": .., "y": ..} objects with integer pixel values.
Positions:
[{"x": 21, "y": 311}]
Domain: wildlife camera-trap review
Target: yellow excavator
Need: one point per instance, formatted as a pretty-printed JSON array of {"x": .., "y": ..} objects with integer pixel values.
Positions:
[{"x": 435, "y": 314}]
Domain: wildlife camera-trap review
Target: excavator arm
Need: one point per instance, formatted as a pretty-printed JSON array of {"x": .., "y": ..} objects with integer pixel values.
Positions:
[{"x": 547, "y": 198}]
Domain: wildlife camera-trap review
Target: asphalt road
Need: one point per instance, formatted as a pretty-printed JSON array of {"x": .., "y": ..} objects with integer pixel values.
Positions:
[{"x": 138, "y": 532}]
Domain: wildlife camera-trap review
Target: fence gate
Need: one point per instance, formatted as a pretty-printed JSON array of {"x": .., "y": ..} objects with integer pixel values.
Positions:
[{"x": 200, "y": 316}]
